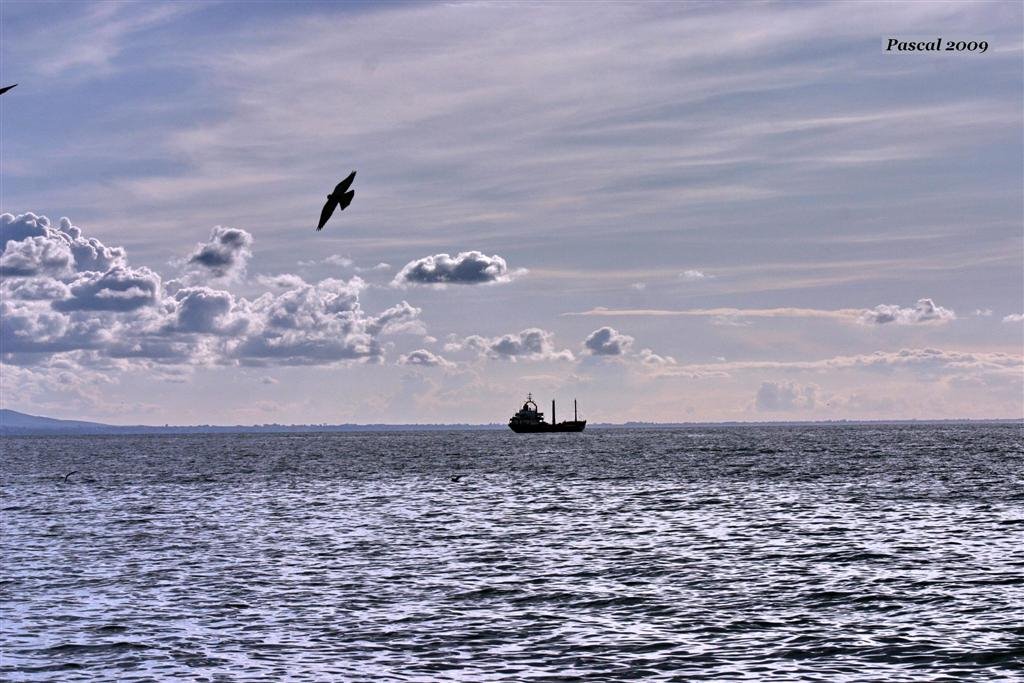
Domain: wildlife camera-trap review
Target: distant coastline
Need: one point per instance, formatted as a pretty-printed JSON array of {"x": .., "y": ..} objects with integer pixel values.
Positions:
[{"x": 13, "y": 423}]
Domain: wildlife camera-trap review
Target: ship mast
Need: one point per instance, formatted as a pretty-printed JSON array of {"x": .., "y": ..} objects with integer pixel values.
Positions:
[
  {"x": 552, "y": 412},
  {"x": 575, "y": 417}
]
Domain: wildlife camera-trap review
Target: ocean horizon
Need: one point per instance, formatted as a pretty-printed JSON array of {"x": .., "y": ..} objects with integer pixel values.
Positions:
[{"x": 16, "y": 423}]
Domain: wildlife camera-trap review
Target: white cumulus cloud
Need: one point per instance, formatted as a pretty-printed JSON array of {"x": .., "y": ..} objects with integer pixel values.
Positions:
[
  {"x": 225, "y": 254},
  {"x": 692, "y": 275},
  {"x": 649, "y": 358},
  {"x": 71, "y": 298},
  {"x": 465, "y": 268},
  {"x": 424, "y": 358},
  {"x": 529, "y": 344},
  {"x": 607, "y": 341},
  {"x": 926, "y": 311}
]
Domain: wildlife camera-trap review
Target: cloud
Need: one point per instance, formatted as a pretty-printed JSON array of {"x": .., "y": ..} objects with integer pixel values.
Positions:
[
  {"x": 225, "y": 254},
  {"x": 692, "y": 275},
  {"x": 40, "y": 288},
  {"x": 58, "y": 385},
  {"x": 17, "y": 228},
  {"x": 114, "y": 312},
  {"x": 607, "y": 341},
  {"x": 281, "y": 281},
  {"x": 89, "y": 252},
  {"x": 206, "y": 311},
  {"x": 924, "y": 312},
  {"x": 649, "y": 358},
  {"x": 36, "y": 256},
  {"x": 921, "y": 359},
  {"x": 436, "y": 99},
  {"x": 785, "y": 396},
  {"x": 400, "y": 318},
  {"x": 529, "y": 344},
  {"x": 33, "y": 328},
  {"x": 311, "y": 324},
  {"x": 730, "y": 321},
  {"x": 341, "y": 261},
  {"x": 466, "y": 268},
  {"x": 439, "y": 123},
  {"x": 110, "y": 27},
  {"x": 1014, "y": 318},
  {"x": 731, "y": 313},
  {"x": 424, "y": 358},
  {"x": 338, "y": 260},
  {"x": 32, "y": 246},
  {"x": 119, "y": 289}
]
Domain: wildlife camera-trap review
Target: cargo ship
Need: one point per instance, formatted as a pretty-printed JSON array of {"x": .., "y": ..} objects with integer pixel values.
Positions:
[{"x": 529, "y": 420}]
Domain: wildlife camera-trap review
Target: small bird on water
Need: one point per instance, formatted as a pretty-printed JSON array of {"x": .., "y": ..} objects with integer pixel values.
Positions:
[
  {"x": 69, "y": 474},
  {"x": 456, "y": 477},
  {"x": 339, "y": 199}
]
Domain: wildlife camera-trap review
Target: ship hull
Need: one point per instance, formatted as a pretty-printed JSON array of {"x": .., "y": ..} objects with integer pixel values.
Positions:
[{"x": 545, "y": 428}]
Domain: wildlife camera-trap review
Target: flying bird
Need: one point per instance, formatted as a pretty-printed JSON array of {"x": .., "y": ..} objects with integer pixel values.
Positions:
[
  {"x": 3, "y": 90},
  {"x": 339, "y": 199}
]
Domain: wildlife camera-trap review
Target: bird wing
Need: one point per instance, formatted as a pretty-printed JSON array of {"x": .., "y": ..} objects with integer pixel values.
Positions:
[
  {"x": 343, "y": 186},
  {"x": 326, "y": 212},
  {"x": 3, "y": 90},
  {"x": 345, "y": 199}
]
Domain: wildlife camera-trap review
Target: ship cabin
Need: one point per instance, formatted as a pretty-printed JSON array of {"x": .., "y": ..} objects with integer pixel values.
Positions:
[{"x": 528, "y": 414}]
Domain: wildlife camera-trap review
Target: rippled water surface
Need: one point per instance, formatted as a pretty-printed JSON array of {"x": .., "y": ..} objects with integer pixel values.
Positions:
[{"x": 783, "y": 553}]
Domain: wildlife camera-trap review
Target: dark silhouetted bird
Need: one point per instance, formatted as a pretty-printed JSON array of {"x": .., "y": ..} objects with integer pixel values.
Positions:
[
  {"x": 339, "y": 199},
  {"x": 456, "y": 477},
  {"x": 3, "y": 90}
]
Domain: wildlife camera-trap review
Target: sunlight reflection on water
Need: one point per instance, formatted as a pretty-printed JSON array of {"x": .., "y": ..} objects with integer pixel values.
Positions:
[{"x": 764, "y": 553}]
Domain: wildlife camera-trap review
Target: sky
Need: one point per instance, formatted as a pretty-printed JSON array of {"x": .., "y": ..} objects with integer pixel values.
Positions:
[{"x": 671, "y": 212}]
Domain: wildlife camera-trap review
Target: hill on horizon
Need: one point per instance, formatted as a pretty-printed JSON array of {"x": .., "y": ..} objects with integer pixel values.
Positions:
[{"x": 13, "y": 422}]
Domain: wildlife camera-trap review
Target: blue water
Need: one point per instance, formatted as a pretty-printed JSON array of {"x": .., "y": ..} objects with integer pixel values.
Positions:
[{"x": 783, "y": 553}]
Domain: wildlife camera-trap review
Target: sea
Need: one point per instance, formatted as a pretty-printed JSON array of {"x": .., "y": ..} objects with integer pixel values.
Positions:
[{"x": 751, "y": 553}]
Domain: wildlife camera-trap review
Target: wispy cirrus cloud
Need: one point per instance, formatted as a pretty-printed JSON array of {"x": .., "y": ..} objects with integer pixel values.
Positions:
[
  {"x": 90, "y": 37},
  {"x": 672, "y": 150},
  {"x": 914, "y": 358},
  {"x": 926, "y": 311},
  {"x": 785, "y": 312}
]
